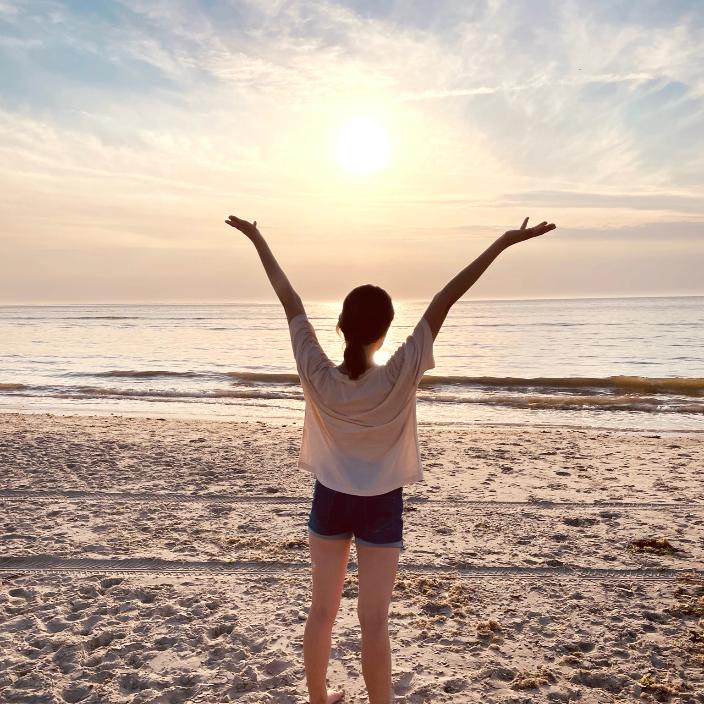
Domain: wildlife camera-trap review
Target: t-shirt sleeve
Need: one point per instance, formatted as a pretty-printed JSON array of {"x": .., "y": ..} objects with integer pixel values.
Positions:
[
  {"x": 307, "y": 352},
  {"x": 414, "y": 356}
]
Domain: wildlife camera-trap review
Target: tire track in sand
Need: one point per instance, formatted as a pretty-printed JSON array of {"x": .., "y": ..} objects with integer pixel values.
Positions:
[
  {"x": 159, "y": 497},
  {"x": 87, "y": 566}
]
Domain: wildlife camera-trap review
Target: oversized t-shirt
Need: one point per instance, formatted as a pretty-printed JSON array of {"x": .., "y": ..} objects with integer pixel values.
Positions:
[{"x": 360, "y": 435}]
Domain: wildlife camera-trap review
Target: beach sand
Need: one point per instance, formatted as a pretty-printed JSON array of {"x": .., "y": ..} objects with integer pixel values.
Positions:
[{"x": 161, "y": 560}]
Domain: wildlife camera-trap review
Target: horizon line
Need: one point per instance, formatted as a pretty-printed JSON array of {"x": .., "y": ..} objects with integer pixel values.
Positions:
[{"x": 255, "y": 302}]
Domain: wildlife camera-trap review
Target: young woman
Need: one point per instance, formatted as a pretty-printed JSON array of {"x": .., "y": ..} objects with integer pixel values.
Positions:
[{"x": 360, "y": 441}]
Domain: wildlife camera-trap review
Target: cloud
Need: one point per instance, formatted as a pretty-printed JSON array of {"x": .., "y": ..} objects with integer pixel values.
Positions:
[
  {"x": 540, "y": 83},
  {"x": 663, "y": 233},
  {"x": 658, "y": 201}
]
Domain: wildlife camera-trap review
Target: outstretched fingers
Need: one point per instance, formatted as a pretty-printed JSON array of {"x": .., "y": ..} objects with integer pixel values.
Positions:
[
  {"x": 244, "y": 226},
  {"x": 537, "y": 229},
  {"x": 542, "y": 228}
]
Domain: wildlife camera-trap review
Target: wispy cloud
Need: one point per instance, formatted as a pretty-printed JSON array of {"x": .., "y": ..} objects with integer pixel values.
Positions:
[
  {"x": 653, "y": 201},
  {"x": 541, "y": 83},
  {"x": 118, "y": 115}
]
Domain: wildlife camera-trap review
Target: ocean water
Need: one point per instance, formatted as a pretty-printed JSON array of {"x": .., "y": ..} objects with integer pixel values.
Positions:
[{"x": 597, "y": 362}]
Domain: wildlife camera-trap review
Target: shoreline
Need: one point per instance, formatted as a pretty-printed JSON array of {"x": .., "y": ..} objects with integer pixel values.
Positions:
[{"x": 290, "y": 420}]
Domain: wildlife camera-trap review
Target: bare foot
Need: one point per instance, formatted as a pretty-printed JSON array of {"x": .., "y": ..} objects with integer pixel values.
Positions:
[{"x": 337, "y": 696}]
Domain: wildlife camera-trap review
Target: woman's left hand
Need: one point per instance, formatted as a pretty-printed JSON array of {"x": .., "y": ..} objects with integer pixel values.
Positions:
[{"x": 246, "y": 228}]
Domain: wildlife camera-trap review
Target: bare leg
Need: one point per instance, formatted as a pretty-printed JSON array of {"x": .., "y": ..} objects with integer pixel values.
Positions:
[
  {"x": 377, "y": 574},
  {"x": 329, "y": 562}
]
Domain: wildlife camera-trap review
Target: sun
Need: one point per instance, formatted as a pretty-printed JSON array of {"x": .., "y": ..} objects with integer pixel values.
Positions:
[{"x": 363, "y": 145}]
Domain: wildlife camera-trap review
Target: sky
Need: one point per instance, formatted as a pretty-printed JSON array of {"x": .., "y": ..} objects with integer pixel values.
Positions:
[{"x": 131, "y": 129}]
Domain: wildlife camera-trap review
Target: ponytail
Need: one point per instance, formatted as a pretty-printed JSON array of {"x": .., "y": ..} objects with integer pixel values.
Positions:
[{"x": 355, "y": 359}]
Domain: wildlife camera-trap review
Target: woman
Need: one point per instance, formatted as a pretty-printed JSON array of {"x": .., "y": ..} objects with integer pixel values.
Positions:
[{"x": 360, "y": 442}]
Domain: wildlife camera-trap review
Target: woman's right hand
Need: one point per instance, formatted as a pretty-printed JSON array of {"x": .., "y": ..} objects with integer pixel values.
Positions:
[{"x": 525, "y": 233}]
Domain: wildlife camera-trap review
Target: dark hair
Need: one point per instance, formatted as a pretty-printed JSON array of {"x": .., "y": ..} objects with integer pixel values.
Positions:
[{"x": 366, "y": 315}]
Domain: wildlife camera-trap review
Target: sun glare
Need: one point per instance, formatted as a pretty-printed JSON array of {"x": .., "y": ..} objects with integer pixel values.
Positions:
[{"x": 363, "y": 145}]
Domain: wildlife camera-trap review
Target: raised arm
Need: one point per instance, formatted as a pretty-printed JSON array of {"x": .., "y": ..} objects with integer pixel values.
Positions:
[
  {"x": 455, "y": 289},
  {"x": 290, "y": 300}
]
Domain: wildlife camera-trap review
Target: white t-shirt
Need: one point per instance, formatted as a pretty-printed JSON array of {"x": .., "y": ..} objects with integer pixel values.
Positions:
[{"x": 360, "y": 436}]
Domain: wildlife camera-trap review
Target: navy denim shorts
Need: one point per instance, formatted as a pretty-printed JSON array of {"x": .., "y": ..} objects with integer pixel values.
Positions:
[{"x": 373, "y": 520}]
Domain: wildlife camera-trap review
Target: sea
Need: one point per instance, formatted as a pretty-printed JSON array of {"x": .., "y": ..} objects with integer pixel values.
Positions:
[{"x": 620, "y": 363}]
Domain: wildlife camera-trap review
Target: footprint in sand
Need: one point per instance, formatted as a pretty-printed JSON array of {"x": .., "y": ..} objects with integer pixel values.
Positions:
[
  {"x": 277, "y": 666},
  {"x": 75, "y": 693},
  {"x": 578, "y": 522},
  {"x": 65, "y": 658},
  {"x": 21, "y": 593},
  {"x": 103, "y": 639},
  {"x": 219, "y": 630}
]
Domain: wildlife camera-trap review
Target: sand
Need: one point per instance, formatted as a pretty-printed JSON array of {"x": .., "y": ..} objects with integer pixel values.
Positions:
[{"x": 148, "y": 560}]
